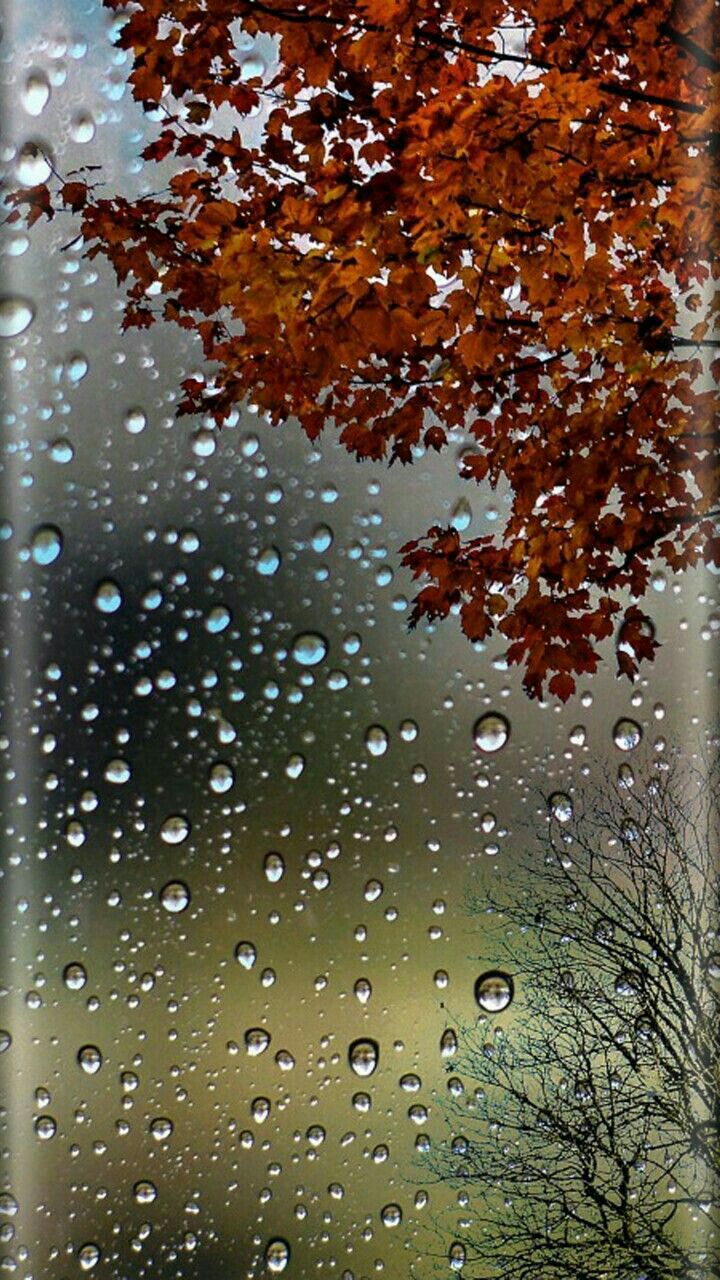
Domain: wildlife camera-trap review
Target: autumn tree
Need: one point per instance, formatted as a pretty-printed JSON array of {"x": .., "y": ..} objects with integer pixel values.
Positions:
[
  {"x": 423, "y": 219},
  {"x": 585, "y": 1122}
]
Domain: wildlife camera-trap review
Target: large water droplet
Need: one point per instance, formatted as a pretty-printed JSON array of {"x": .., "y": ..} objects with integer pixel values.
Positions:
[
  {"x": 88, "y": 1256},
  {"x": 108, "y": 597},
  {"x": 461, "y": 515},
  {"x": 257, "y": 1040},
  {"x": 175, "y": 829},
  {"x": 274, "y": 865},
  {"x": 135, "y": 421},
  {"x": 494, "y": 991},
  {"x": 391, "y": 1215},
  {"x": 218, "y": 619},
  {"x": 36, "y": 93},
  {"x": 627, "y": 734},
  {"x": 376, "y": 740},
  {"x": 32, "y": 166},
  {"x": 268, "y": 562},
  {"x": 90, "y": 1059},
  {"x": 16, "y": 315},
  {"x": 277, "y": 1256},
  {"x": 222, "y": 778},
  {"x": 560, "y": 806},
  {"x": 47, "y": 544},
  {"x": 246, "y": 954},
  {"x": 309, "y": 648},
  {"x": 74, "y": 976},
  {"x": 363, "y": 1056},
  {"x": 145, "y": 1191},
  {"x": 456, "y": 1256},
  {"x": 175, "y": 896},
  {"x": 491, "y": 732}
]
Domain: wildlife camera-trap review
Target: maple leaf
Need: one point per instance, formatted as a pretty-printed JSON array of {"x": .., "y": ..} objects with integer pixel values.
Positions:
[{"x": 434, "y": 231}]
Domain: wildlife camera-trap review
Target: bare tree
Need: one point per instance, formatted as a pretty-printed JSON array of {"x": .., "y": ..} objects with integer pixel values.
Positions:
[{"x": 585, "y": 1121}]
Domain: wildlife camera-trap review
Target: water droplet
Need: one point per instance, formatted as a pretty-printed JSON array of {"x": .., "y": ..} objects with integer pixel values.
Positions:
[
  {"x": 36, "y": 93},
  {"x": 363, "y": 1057},
  {"x": 260, "y": 1109},
  {"x": 45, "y": 1127},
  {"x": 246, "y": 954},
  {"x": 135, "y": 421},
  {"x": 82, "y": 127},
  {"x": 32, "y": 166},
  {"x": 108, "y": 597},
  {"x": 5, "y": 1041},
  {"x": 89, "y": 1256},
  {"x": 391, "y": 1215},
  {"x": 494, "y": 991},
  {"x": 257, "y": 1040},
  {"x": 456, "y": 1256},
  {"x": 74, "y": 976},
  {"x": 363, "y": 990},
  {"x": 376, "y": 740},
  {"x": 175, "y": 896},
  {"x": 222, "y": 778},
  {"x": 117, "y": 771},
  {"x": 461, "y": 515},
  {"x": 491, "y": 732},
  {"x": 16, "y": 315},
  {"x": 628, "y": 983},
  {"x": 47, "y": 544},
  {"x": 274, "y": 865},
  {"x": 627, "y": 734},
  {"x": 277, "y": 1255},
  {"x": 448, "y": 1043},
  {"x": 203, "y": 443},
  {"x": 161, "y": 1128},
  {"x": 295, "y": 765},
  {"x": 76, "y": 368},
  {"x": 561, "y": 806},
  {"x": 218, "y": 619},
  {"x": 62, "y": 451},
  {"x": 145, "y": 1191},
  {"x": 322, "y": 538},
  {"x": 268, "y": 562},
  {"x": 309, "y": 648},
  {"x": 90, "y": 1059},
  {"x": 175, "y": 829}
]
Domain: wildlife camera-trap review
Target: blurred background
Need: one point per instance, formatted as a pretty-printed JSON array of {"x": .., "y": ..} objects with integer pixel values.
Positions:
[{"x": 243, "y": 805}]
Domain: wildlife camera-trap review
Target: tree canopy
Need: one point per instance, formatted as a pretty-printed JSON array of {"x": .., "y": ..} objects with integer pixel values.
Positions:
[{"x": 420, "y": 220}]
